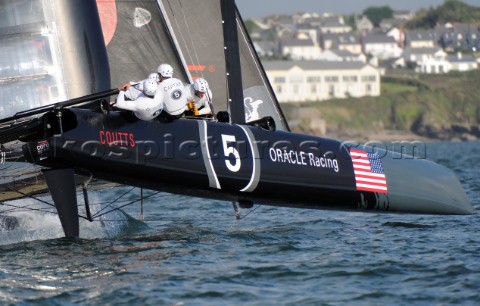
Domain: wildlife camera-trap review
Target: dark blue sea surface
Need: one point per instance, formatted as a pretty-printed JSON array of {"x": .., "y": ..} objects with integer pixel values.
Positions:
[{"x": 193, "y": 251}]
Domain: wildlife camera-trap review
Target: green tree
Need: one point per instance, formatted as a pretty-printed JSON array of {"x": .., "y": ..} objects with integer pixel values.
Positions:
[
  {"x": 351, "y": 20},
  {"x": 250, "y": 25},
  {"x": 426, "y": 19},
  {"x": 450, "y": 11},
  {"x": 456, "y": 10},
  {"x": 377, "y": 13}
]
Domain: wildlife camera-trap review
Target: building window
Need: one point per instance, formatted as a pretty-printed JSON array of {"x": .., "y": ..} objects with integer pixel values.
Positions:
[
  {"x": 314, "y": 79},
  {"x": 331, "y": 79},
  {"x": 369, "y": 78},
  {"x": 350, "y": 78},
  {"x": 313, "y": 89},
  {"x": 280, "y": 80},
  {"x": 279, "y": 89},
  {"x": 296, "y": 79}
]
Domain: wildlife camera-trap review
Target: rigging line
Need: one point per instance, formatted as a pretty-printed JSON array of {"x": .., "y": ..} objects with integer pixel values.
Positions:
[
  {"x": 120, "y": 207},
  {"x": 31, "y": 197},
  {"x": 108, "y": 202},
  {"x": 125, "y": 201},
  {"x": 111, "y": 203},
  {"x": 181, "y": 33},
  {"x": 13, "y": 208},
  {"x": 197, "y": 62},
  {"x": 97, "y": 214},
  {"x": 246, "y": 215},
  {"x": 110, "y": 220},
  {"x": 23, "y": 208}
]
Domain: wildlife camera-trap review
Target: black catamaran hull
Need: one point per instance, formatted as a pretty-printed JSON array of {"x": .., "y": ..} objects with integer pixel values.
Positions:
[
  {"x": 242, "y": 163},
  {"x": 236, "y": 161}
]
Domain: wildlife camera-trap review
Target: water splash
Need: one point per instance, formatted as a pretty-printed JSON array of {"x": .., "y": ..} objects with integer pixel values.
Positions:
[{"x": 34, "y": 219}]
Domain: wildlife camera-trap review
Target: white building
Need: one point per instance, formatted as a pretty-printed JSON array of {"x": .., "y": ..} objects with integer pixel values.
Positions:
[
  {"x": 346, "y": 41},
  {"x": 428, "y": 60},
  {"x": 381, "y": 46},
  {"x": 303, "y": 81},
  {"x": 418, "y": 55},
  {"x": 421, "y": 39},
  {"x": 300, "y": 49},
  {"x": 463, "y": 63},
  {"x": 398, "y": 35},
  {"x": 434, "y": 66},
  {"x": 364, "y": 25},
  {"x": 345, "y": 56},
  {"x": 305, "y": 31},
  {"x": 335, "y": 24}
]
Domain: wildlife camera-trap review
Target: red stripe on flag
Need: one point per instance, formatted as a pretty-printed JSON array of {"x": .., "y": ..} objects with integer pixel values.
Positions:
[
  {"x": 365, "y": 178},
  {"x": 371, "y": 190}
]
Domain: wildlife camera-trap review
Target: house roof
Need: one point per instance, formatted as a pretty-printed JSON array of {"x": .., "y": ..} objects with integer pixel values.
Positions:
[
  {"x": 463, "y": 59},
  {"x": 378, "y": 39},
  {"x": 364, "y": 22},
  {"x": 305, "y": 26},
  {"x": 421, "y": 35},
  {"x": 348, "y": 39},
  {"x": 341, "y": 38},
  {"x": 313, "y": 65},
  {"x": 297, "y": 43},
  {"x": 391, "y": 22},
  {"x": 422, "y": 50},
  {"x": 345, "y": 53}
]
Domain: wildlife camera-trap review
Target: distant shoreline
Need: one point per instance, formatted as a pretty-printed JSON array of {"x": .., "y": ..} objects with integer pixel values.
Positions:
[{"x": 381, "y": 136}]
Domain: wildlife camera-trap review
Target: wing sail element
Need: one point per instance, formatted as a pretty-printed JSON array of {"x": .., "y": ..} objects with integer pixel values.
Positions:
[
  {"x": 40, "y": 58},
  {"x": 198, "y": 29}
]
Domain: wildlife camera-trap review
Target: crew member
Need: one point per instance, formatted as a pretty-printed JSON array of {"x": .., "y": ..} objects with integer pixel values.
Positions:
[
  {"x": 134, "y": 89},
  {"x": 147, "y": 106},
  {"x": 165, "y": 71},
  {"x": 199, "y": 98},
  {"x": 174, "y": 96}
]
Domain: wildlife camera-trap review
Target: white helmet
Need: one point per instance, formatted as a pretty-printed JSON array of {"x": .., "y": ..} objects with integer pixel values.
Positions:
[
  {"x": 154, "y": 76},
  {"x": 165, "y": 70},
  {"x": 150, "y": 87},
  {"x": 200, "y": 85}
]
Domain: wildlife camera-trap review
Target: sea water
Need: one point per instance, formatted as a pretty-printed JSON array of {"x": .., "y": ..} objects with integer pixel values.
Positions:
[{"x": 191, "y": 251}]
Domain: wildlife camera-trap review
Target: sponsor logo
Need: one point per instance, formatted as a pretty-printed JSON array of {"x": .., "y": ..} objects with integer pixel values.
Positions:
[
  {"x": 117, "y": 139},
  {"x": 301, "y": 158},
  {"x": 251, "y": 108},
  {"x": 42, "y": 149},
  {"x": 201, "y": 68}
]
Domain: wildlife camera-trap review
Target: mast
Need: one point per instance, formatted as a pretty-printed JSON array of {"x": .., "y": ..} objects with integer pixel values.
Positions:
[{"x": 232, "y": 60}]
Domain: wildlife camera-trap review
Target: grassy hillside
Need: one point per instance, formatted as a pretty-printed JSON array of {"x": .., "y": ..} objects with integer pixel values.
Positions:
[
  {"x": 450, "y": 11},
  {"x": 437, "y": 106}
]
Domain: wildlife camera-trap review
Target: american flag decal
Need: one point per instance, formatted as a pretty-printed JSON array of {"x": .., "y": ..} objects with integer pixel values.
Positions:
[{"x": 368, "y": 171}]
